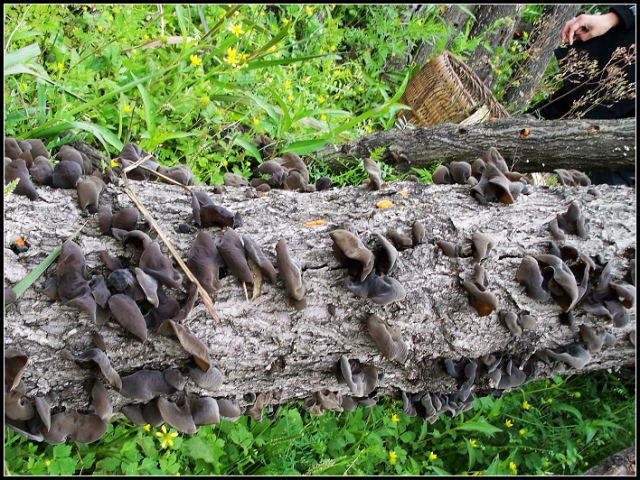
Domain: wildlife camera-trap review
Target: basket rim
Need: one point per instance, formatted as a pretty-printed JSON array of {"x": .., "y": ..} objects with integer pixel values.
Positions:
[{"x": 453, "y": 71}]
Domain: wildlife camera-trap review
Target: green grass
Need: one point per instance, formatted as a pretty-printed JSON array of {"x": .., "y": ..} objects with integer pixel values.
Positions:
[
  {"x": 559, "y": 426},
  {"x": 216, "y": 76}
]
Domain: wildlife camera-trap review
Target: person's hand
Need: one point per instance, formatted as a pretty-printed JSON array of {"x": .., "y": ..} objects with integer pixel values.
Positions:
[{"x": 585, "y": 27}]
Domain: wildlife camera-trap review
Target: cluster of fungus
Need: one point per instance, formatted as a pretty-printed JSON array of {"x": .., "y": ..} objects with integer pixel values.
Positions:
[
  {"x": 137, "y": 300},
  {"x": 577, "y": 282},
  {"x": 135, "y": 297},
  {"x": 488, "y": 176}
]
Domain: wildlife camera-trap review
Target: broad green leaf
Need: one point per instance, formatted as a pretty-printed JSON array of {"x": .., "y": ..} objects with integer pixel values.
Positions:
[
  {"x": 262, "y": 103},
  {"x": 21, "y": 55},
  {"x": 102, "y": 134},
  {"x": 249, "y": 147},
  {"x": 279, "y": 36},
  {"x": 305, "y": 147},
  {"x": 196, "y": 447},
  {"x": 481, "y": 427},
  {"x": 286, "y": 123},
  {"x": 149, "y": 108},
  {"x": 568, "y": 408},
  {"x": 381, "y": 109}
]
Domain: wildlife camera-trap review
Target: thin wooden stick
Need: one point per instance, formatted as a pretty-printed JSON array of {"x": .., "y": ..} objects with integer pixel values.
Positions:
[{"x": 203, "y": 293}]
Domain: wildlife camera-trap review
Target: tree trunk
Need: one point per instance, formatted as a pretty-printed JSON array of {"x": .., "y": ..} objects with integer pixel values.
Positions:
[
  {"x": 454, "y": 16},
  {"x": 586, "y": 145},
  {"x": 543, "y": 40},
  {"x": 487, "y": 17},
  {"x": 266, "y": 345},
  {"x": 621, "y": 464}
]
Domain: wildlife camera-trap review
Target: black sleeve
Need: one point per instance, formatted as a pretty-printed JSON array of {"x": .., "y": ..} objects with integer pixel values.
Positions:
[{"x": 627, "y": 15}]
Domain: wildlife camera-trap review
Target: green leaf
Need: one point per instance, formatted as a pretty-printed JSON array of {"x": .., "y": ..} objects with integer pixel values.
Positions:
[
  {"x": 21, "y": 55},
  {"x": 250, "y": 148},
  {"x": 305, "y": 147},
  {"x": 34, "y": 133},
  {"x": 104, "y": 136},
  {"x": 281, "y": 61},
  {"x": 479, "y": 426},
  {"x": 439, "y": 471},
  {"x": 568, "y": 408},
  {"x": 60, "y": 451},
  {"x": 109, "y": 464},
  {"x": 149, "y": 108}
]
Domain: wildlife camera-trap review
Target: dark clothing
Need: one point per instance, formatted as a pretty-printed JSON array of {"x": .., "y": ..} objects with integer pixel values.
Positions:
[{"x": 601, "y": 49}]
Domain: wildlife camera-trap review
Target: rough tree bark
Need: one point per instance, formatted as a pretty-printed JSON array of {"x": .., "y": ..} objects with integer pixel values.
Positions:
[
  {"x": 543, "y": 40},
  {"x": 265, "y": 345},
  {"x": 486, "y": 16},
  {"x": 528, "y": 145}
]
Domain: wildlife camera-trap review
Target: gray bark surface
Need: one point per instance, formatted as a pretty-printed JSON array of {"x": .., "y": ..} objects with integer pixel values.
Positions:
[
  {"x": 544, "y": 39},
  {"x": 486, "y": 16},
  {"x": 265, "y": 345},
  {"x": 621, "y": 464},
  {"x": 585, "y": 145}
]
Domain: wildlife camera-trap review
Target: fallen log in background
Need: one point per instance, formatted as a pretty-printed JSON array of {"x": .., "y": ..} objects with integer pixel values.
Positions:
[
  {"x": 268, "y": 346},
  {"x": 526, "y": 143}
]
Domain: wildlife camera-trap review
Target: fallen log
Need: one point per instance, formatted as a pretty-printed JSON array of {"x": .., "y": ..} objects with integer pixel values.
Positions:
[
  {"x": 266, "y": 345},
  {"x": 528, "y": 145}
]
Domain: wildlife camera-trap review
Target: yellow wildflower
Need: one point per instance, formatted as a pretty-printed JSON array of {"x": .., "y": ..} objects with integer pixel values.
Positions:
[
  {"x": 287, "y": 84},
  {"x": 473, "y": 443},
  {"x": 166, "y": 437},
  {"x": 60, "y": 65},
  {"x": 512, "y": 467},
  {"x": 499, "y": 72},
  {"x": 526, "y": 405},
  {"x": 145, "y": 37},
  {"x": 285, "y": 21},
  {"x": 195, "y": 61},
  {"x": 262, "y": 13},
  {"x": 336, "y": 72},
  {"x": 126, "y": 108},
  {"x": 232, "y": 58},
  {"x": 324, "y": 117},
  {"x": 525, "y": 34},
  {"x": 360, "y": 89},
  {"x": 508, "y": 423},
  {"x": 309, "y": 10},
  {"x": 394, "y": 417},
  {"x": 290, "y": 97},
  {"x": 432, "y": 456},
  {"x": 513, "y": 49},
  {"x": 100, "y": 28},
  {"x": 84, "y": 7},
  {"x": 321, "y": 99},
  {"x": 47, "y": 463},
  {"x": 393, "y": 54},
  {"x": 236, "y": 29},
  {"x": 256, "y": 120},
  {"x": 521, "y": 431},
  {"x": 147, "y": 427},
  {"x": 332, "y": 48},
  {"x": 393, "y": 456}
]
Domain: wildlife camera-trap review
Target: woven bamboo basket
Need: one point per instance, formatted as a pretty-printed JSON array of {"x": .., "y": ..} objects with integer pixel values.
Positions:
[{"x": 446, "y": 90}]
